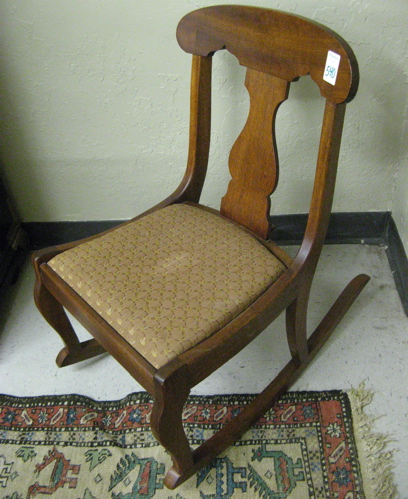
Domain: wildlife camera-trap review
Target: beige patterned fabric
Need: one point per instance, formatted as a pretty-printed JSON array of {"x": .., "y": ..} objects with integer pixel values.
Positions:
[{"x": 171, "y": 279}]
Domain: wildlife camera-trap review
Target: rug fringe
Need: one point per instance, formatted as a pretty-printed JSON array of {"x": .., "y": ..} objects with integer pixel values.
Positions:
[{"x": 376, "y": 461}]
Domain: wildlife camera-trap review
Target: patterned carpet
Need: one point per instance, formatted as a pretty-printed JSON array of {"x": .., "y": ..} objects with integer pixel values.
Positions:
[{"x": 74, "y": 447}]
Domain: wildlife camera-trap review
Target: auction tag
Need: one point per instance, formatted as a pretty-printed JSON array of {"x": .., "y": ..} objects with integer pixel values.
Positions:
[{"x": 332, "y": 66}]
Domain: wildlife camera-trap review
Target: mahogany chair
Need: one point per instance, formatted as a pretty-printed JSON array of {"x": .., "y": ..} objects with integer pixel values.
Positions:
[{"x": 177, "y": 291}]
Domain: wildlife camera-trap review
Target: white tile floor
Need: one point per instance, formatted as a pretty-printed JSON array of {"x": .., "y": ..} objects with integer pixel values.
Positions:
[{"x": 370, "y": 344}]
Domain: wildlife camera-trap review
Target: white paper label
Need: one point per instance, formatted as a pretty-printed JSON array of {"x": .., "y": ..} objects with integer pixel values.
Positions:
[{"x": 332, "y": 66}]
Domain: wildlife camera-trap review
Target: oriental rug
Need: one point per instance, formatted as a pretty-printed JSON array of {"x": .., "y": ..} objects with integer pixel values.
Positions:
[{"x": 73, "y": 447}]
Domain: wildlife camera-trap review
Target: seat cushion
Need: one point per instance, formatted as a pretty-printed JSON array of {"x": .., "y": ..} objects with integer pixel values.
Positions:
[{"x": 171, "y": 279}]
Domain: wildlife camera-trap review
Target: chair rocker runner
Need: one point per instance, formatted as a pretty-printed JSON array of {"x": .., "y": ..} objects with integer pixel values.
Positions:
[{"x": 179, "y": 290}]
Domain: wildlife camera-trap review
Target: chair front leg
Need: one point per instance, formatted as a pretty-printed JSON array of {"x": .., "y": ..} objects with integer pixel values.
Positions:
[
  {"x": 171, "y": 392},
  {"x": 54, "y": 313}
]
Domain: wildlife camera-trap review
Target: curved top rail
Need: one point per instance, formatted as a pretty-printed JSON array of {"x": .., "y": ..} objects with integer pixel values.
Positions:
[{"x": 284, "y": 45}]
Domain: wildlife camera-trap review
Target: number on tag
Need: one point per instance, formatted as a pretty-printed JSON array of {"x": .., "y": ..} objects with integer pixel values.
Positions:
[{"x": 332, "y": 67}]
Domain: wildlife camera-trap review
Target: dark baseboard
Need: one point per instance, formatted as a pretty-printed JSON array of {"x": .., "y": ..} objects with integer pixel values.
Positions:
[
  {"x": 398, "y": 260},
  {"x": 344, "y": 228},
  {"x": 44, "y": 234}
]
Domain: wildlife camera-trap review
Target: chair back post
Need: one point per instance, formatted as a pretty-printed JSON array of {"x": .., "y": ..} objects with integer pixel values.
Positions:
[
  {"x": 200, "y": 129},
  {"x": 324, "y": 185}
]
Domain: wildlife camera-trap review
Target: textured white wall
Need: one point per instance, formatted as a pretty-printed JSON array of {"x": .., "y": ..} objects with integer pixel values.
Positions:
[{"x": 94, "y": 108}]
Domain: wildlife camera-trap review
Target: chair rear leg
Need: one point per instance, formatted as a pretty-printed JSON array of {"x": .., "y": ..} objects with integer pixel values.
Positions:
[
  {"x": 296, "y": 326},
  {"x": 54, "y": 313}
]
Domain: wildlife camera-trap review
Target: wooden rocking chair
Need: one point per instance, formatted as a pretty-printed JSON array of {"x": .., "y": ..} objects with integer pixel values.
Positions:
[{"x": 176, "y": 292}]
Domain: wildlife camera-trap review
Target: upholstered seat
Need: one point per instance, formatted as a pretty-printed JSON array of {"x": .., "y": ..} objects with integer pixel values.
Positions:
[{"x": 169, "y": 280}]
